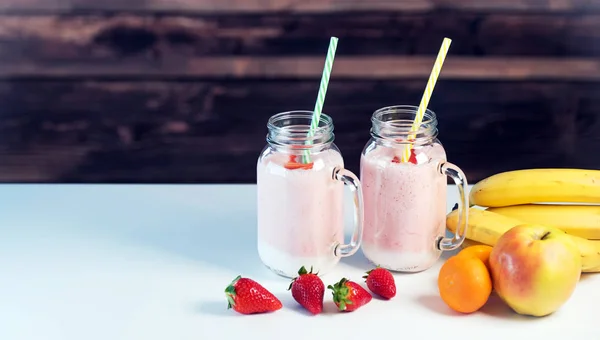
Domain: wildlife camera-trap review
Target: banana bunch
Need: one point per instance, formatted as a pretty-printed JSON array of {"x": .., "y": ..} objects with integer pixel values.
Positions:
[
  {"x": 560, "y": 198},
  {"x": 486, "y": 227},
  {"x": 576, "y": 220},
  {"x": 537, "y": 186}
]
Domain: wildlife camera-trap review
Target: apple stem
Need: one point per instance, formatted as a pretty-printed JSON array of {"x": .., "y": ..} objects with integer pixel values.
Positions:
[{"x": 545, "y": 235}]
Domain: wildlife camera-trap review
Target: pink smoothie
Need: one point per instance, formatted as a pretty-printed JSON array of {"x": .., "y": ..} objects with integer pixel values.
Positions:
[
  {"x": 300, "y": 213},
  {"x": 405, "y": 208}
]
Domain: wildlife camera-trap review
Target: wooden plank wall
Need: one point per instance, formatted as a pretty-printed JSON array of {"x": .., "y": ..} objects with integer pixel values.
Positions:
[{"x": 180, "y": 91}]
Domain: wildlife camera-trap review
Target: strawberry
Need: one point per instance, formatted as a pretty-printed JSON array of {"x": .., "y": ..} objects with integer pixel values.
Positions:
[
  {"x": 308, "y": 290},
  {"x": 381, "y": 282},
  {"x": 247, "y": 296},
  {"x": 413, "y": 157},
  {"x": 348, "y": 296}
]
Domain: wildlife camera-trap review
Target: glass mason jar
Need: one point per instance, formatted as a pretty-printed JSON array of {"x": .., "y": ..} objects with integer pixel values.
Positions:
[
  {"x": 403, "y": 175},
  {"x": 300, "y": 184}
]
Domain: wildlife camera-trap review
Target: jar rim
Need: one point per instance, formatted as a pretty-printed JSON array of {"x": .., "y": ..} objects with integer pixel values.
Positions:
[
  {"x": 395, "y": 123},
  {"x": 429, "y": 117},
  {"x": 325, "y": 123},
  {"x": 293, "y": 127}
]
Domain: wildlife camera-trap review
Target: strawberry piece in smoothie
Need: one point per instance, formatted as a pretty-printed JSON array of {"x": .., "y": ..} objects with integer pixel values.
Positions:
[{"x": 292, "y": 164}]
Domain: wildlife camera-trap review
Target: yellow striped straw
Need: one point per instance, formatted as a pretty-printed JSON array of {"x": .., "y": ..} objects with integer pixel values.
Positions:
[{"x": 435, "y": 72}]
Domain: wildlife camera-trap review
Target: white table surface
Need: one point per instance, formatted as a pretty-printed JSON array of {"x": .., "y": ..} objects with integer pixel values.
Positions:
[{"x": 112, "y": 262}]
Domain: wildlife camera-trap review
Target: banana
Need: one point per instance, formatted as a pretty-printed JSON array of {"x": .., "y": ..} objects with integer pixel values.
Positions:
[
  {"x": 486, "y": 227},
  {"x": 592, "y": 270},
  {"x": 576, "y": 220},
  {"x": 536, "y": 186}
]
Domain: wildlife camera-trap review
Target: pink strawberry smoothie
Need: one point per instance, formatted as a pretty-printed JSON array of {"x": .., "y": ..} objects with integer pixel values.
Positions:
[
  {"x": 405, "y": 208},
  {"x": 300, "y": 212}
]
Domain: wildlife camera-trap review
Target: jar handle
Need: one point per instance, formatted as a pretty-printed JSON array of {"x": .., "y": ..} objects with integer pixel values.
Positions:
[
  {"x": 451, "y": 170},
  {"x": 350, "y": 179}
]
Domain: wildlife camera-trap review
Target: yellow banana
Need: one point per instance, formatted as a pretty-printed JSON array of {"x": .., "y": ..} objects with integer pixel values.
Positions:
[
  {"x": 592, "y": 270},
  {"x": 576, "y": 220},
  {"x": 486, "y": 227},
  {"x": 537, "y": 186}
]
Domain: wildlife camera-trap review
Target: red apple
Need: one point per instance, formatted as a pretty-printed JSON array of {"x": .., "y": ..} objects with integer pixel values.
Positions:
[{"x": 535, "y": 269}]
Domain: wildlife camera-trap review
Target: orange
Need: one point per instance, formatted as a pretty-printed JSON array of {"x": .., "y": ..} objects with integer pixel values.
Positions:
[
  {"x": 481, "y": 251},
  {"x": 464, "y": 283}
]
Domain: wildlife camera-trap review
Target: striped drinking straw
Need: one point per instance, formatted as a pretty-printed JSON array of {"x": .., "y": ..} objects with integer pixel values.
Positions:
[
  {"x": 435, "y": 72},
  {"x": 321, "y": 95}
]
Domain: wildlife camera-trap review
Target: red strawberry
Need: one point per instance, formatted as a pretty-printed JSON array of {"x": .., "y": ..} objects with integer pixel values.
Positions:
[
  {"x": 413, "y": 157},
  {"x": 247, "y": 296},
  {"x": 348, "y": 296},
  {"x": 308, "y": 290},
  {"x": 381, "y": 282}
]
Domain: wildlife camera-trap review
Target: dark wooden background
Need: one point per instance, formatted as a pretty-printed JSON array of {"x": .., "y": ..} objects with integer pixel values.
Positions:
[{"x": 180, "y": 90}]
